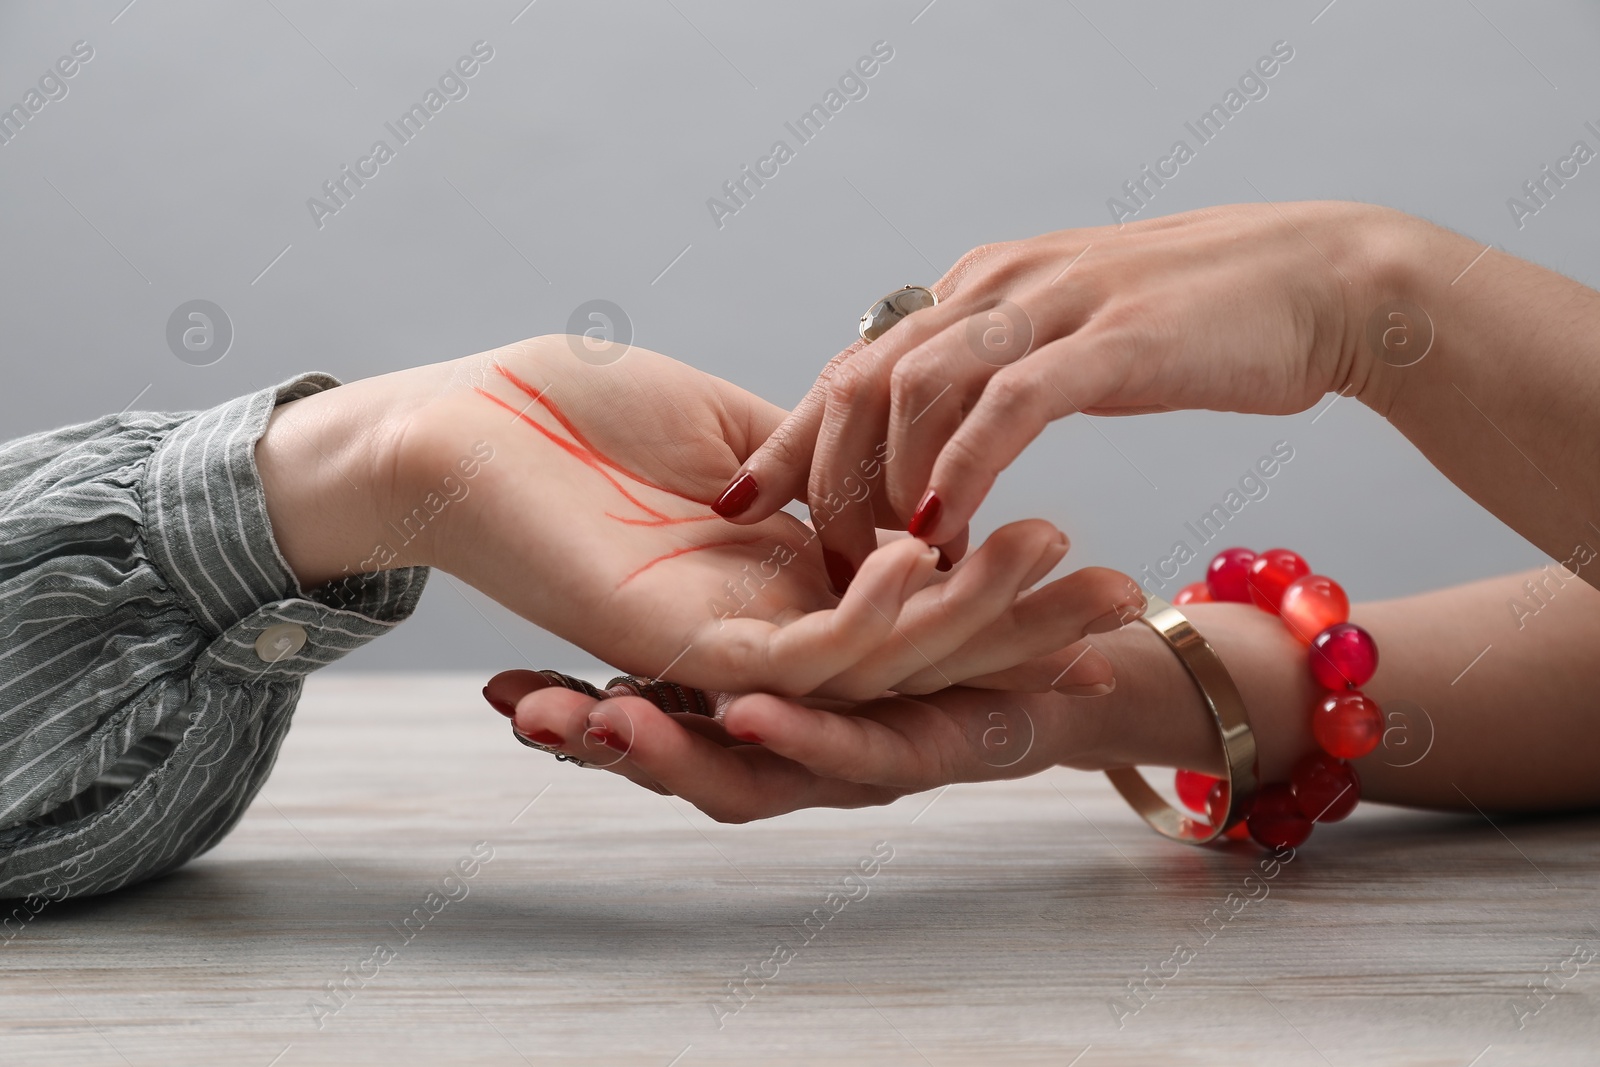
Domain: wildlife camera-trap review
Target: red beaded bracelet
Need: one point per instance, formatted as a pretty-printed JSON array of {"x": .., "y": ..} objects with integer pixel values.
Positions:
[{"x": 1322, "y": 787}]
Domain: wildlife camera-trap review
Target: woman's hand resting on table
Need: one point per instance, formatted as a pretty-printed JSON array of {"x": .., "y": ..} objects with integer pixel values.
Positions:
[
  {"x": 765, "y": 755},
  {"x": 1444, "y": 745},
  {"x": 572, "y": 484}
]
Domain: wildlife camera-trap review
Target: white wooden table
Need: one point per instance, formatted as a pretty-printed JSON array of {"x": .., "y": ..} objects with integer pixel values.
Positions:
[{"x": 609, "y": 922}]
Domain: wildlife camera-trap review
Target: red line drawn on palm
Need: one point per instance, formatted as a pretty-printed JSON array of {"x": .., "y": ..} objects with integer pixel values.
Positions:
[{"x": 581, "y": 449}]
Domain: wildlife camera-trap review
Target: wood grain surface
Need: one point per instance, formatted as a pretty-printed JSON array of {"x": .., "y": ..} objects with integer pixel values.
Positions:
[{"x": 610, "y": 921}]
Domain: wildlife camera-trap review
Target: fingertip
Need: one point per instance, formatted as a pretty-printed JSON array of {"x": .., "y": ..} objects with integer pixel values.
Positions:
[
  {"x": 618, "y": 724},
  {"x": 1026, "y": 549},
  {"x": 1042, "y": 533},
  {"x": 758, "y": 718},
  {"x": 536, "y": 708},
  {"x": 517, "y": 682},
  {"x": 942, "y": 515},
  {"x": 924, "y": 521},
  {"x": 603, "y": 728},
  {"x": 911, "y": 560},
  {"x": 739, "y": 704},
  {"x": 751, "y": 496},
  {"x": 503, "y": 707},
  {"x": 775, "y": 472},
  {"x": 1123, "y": 593},
  {"x": 746, "y": 714},
  {"x": 1088, "y": 673},
  {"x": 1055, "y": 547},
  {"x": 508, "y": 687},
  {"x": 736, "y": 499}
]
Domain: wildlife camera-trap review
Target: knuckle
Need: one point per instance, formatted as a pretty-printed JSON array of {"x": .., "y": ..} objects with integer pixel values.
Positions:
[
  {"x": 845, "y": 362},
  {"x": 849, "y": 384},
  {"x": 991, "y": 266},
  {"x": 909, "y": 376},
  {"x": 841, "y": 359},
  {"x": 1014, "y": 394},
  {"x": 1129, "y": 324},
  {"x": 1124, "y": 355},
  {"x": 788, "y": 446},
  {"x": 976, "y": 260},
  {"x": 913, "y": 395}
]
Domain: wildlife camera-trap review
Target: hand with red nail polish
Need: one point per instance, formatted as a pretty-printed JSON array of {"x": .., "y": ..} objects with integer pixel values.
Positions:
[
  {"x": 1122, "y": 698},
  {"x": 764, "y": 755},
  {"x": 1115, "y": 320}
]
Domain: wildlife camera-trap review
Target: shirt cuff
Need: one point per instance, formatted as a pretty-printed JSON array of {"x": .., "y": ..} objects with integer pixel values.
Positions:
[{"x": 207, "y": 532}]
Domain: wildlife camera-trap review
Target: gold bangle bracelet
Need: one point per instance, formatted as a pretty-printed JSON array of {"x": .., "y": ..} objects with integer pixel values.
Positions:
[{"x": 1233, "y": 724}]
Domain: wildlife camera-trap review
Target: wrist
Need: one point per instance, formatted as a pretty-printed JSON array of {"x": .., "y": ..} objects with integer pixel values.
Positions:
[
  {"x": 1268, "y": 664},
  {"x": 1156, "y": 716},
  {"x": 328, "y": 471},
  {"x": 1393, "y": 310}
]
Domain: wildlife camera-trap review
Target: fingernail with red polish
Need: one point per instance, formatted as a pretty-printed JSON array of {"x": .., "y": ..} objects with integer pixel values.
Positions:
[
  {"x": 746, "y": 735},
  {"x": 840, "y": 570},
  {"x": 547, "y": 737},
  {"x": 926, "y": 516},
  {"x": 508, "y": 710},
  {"x": 945, "y": 562},
  {"x": 737, "y": 498},
  {"x": 602, "y": 732}
]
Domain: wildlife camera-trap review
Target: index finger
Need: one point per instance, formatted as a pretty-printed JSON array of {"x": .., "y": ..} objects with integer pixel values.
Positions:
[
  {"x": 777, "y": 471},
  {"x": 780, "y": 469}
]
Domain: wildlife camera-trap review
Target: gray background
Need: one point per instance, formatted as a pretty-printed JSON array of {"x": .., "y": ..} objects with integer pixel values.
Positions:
[{"x": 179, "y": 165}]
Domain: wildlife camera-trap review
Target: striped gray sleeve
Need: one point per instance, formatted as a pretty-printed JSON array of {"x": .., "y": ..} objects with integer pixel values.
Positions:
[{"x": 151, "y": 637}]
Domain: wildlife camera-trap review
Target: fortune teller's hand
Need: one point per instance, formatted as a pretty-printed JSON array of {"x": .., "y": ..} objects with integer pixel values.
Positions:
[
  {"x": 753, "y": 756},
  {"x": 1254, "y": 308},
  {"x": 774, "y": 755},
  {"x": 571, "y": 482}
]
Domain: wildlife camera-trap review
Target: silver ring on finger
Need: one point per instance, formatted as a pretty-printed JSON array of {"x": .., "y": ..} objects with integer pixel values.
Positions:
[{"x": 888, "y": 310}]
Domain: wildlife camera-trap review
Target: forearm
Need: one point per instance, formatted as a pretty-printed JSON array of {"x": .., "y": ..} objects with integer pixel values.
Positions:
[
  {"x": 1504, "y": 402},
  {"x": 1510, "y": 694},
  {"x": 157, "y": 640},
  {"x": 1510, "y": 728}
]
